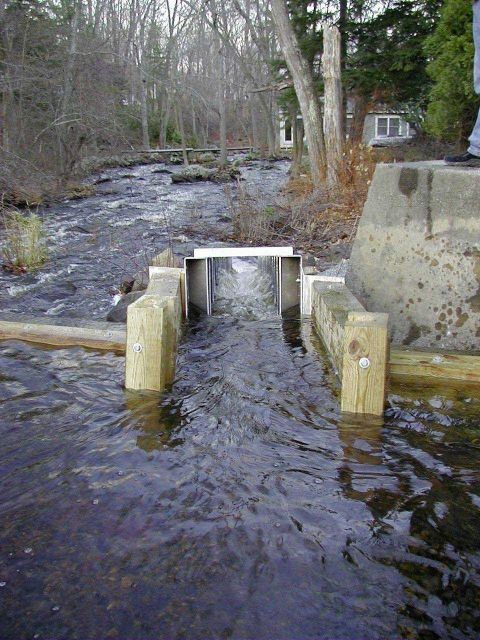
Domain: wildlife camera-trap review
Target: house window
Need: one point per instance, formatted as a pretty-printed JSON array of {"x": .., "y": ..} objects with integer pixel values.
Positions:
[
  {"x": 349, "y": 125},
  {"x": 388, "y": 126},
  {"x": 288, "y": 131}
]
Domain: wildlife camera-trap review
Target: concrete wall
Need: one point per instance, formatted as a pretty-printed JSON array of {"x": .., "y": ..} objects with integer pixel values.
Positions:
[{"x": 417, "y": 254}]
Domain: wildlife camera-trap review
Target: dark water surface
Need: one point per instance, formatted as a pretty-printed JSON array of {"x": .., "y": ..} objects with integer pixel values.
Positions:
[{"x": 237, "y": 505}]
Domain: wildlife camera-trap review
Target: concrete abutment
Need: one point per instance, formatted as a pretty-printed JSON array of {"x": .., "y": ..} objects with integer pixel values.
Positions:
[{"x": 416, "y": 255}]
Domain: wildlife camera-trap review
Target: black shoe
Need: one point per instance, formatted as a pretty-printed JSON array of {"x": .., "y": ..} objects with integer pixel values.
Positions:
[{"x": 465, "y": 160}]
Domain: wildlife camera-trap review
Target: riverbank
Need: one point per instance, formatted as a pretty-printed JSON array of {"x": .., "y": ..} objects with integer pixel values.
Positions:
[
  {"x": 27, "y": 187},
  {"x": 98, "y": 242},
  {"x": 30, "y": 187}
]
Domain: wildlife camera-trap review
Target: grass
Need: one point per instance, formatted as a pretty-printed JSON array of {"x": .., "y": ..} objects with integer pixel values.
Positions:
[{"x": 23, "y": 247}]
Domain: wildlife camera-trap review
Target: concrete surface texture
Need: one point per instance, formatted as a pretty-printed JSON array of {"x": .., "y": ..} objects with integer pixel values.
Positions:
[{"x": 416, "y": 255}]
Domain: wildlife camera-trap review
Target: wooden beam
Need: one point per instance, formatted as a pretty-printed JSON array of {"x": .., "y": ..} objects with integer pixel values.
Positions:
[
  {"x": 330, "y": 304},
  {"x": 357, "y": 342},
  {"x": 188, "y": 150},
  {"x": 63, "y": 332},
  {"x": 438, "y": 366},
  {"x": 153, "y": 328},
  {"x": 350, "y": 333}
]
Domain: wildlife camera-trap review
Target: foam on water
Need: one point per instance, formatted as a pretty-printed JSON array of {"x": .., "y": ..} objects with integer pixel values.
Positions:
[{"x": 244, "y": 292}]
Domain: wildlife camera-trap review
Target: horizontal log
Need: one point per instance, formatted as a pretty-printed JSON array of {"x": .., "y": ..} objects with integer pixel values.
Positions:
[
  {"x": 63, "y": 332},
  {"x": 439, "y": 366},
  {"x": 188, "y": 149}
]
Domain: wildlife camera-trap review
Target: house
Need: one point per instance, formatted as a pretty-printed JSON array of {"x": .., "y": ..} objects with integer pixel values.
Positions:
[{"x": 380, "y": 128}]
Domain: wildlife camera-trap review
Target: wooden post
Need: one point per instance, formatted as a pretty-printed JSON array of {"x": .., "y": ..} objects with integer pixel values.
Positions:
[
  {"x": 332, "y": 113},
  {"x": 365, "y": 358},
  {"x": 357, "y": 343},
  {"x": 153, "y": 328}
]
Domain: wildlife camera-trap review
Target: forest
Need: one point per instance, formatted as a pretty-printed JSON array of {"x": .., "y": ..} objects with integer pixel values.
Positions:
[{"x": 89, "y": 78}]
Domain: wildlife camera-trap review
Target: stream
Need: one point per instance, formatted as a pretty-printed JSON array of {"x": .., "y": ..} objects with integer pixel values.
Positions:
[{"x": 239, "y": 503}]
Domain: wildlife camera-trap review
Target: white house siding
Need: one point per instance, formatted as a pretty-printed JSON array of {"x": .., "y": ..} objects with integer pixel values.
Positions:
[
  {"x": 370, "y": 129},
  {"x": 284, "y": 143}
]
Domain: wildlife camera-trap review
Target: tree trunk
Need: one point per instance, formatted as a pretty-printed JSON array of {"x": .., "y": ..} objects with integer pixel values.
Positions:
[
  {"x": 254, "y": 118},
  {"x": 275, "y": 121},
  {"x": 65, "y": 146},
  {"x": 181, "y": 128},
  {"x": 297, "y": 141},
  {"x": 360, "y": 110},
  {"x": 222, "y": 107},
  {"x": 165, "y": 117},
  {"x": 292, "y": 114},
  {"x": 332, "y": 118},
  {"x": 268, "y": 123},
  {"x": 144, "y": 109},
  {"x": 342, "y": 27},
  {"x": 194, "y": 118},
  {"x": 304, "y": 88},
  {"x": 300, "y": 145}
]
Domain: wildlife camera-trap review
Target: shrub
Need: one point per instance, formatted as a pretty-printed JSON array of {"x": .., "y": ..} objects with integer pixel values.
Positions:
[
  {"x": 192, "y": 141},
  {"x": 453, "y": 104},
  {"x": 304, "y": 216},
  {"x": 24, "y": 246},
  {"x": 173, "y": 136},
  {"x": 206, "y": 157}
]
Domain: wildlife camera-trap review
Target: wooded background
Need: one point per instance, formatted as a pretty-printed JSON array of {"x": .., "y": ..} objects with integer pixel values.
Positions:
[{"x": 89, "y": 77}]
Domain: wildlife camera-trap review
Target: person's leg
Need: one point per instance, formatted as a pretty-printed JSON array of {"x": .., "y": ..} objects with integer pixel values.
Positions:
[{"x": 474, "y": 139}]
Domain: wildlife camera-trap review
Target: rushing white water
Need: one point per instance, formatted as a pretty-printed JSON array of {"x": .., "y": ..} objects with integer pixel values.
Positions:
[{"x": 244, "y": 292}]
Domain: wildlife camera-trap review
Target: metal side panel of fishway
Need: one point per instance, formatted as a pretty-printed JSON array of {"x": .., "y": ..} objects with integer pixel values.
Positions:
[
  {"x": 282, "y": 267},
  {"x": 198, "y": 285},
  {"x": 290, "y": 282}
]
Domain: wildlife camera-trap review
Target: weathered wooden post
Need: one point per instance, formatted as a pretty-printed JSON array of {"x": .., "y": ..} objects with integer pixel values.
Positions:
[
  {"x": 357, "y": 343},
  {"x": 332, "y": 110},
  {"x": 365, "y": 360},
  {"x": 153, "y": 327}
]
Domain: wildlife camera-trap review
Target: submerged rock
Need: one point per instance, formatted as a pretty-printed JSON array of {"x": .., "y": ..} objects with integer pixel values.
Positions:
[
  {"x": 225, "y": 175},
  {"x": 192, "y": 173},
  {"x": 79, "y": 191},
  {"x": 87, "y": 229},
  {"x": 119, "y": 312},
  {"x": 197, "y": 173},
  {"x": 140, "y": 281}
]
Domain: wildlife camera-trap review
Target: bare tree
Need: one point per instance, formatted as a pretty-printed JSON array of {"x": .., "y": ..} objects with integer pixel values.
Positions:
[
  {"x": 304, "y": 88},
  {"x": 333, "y": 117}
]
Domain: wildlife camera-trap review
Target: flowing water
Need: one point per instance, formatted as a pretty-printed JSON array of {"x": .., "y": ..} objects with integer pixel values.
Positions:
[{"x": 239, "y": 504}]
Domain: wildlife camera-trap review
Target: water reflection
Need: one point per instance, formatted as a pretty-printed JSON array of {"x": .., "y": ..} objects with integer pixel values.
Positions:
[{"x": 238, "y": 504}]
